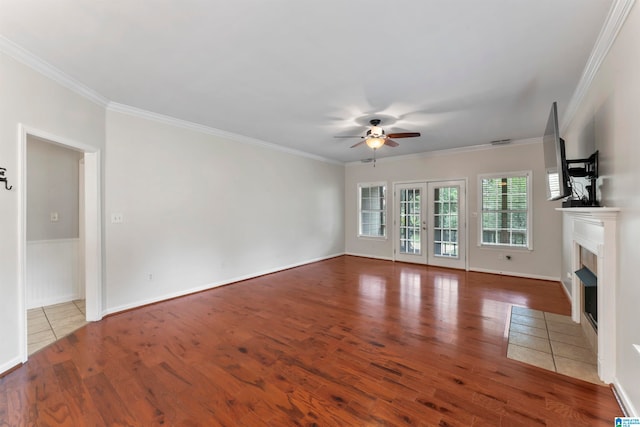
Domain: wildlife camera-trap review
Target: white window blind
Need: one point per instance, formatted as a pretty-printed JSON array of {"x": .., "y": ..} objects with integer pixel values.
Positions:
[
  {"x": 372, "y": 210},
  {"x": 506, "y": 210}
]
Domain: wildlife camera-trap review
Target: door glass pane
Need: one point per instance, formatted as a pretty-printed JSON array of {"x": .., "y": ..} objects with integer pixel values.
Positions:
[
  {"x": 410, "y": 221},
  {"x": 445, "y": 222}
]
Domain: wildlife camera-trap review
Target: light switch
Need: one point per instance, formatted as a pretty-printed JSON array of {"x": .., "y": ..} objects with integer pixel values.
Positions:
[
  {"x": 117, "y": 218},
  {"x": 53, "y": 216}
]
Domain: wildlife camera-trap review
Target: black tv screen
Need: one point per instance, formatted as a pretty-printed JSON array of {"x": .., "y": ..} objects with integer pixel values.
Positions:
[{"x": 555, "y": 162}]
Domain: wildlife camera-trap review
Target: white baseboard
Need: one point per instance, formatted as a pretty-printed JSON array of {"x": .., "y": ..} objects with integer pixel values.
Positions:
[
  {"x": 515, "y": 274},
  {"x": 208, "y": 286},
  {"x": 385, "y": 258},
  {"x": 10, "y": 364},
  {"x": 624, "y": 400},
  {"x": 59, "y": 299}
]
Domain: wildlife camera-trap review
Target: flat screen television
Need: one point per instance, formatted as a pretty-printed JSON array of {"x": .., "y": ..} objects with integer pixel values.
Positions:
[{"x": 555, "y": 161}]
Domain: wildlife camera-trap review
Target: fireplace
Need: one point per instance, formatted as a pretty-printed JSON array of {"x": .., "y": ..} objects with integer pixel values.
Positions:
[
  {"x": 593, "y": 284},
  {"x": 588, "y": 275}
]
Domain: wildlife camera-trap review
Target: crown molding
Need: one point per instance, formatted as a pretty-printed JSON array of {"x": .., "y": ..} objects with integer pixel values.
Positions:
[
  {"x": 184, "y": 124},
  {"x": 451, "y": 151},
  {"x": 613, "y": 23},
  {"x": 29, "y": 59}
]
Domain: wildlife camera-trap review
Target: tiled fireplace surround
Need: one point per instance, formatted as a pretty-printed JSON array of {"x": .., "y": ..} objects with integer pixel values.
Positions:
[{"x": 594, "y": 230}]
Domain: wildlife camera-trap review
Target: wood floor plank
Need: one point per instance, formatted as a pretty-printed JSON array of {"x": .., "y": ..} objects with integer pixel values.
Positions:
[{"x": 346, "y": 341}]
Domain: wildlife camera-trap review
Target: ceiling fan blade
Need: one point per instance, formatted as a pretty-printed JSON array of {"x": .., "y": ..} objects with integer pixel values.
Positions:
[
  {"x": 404, "y": 135},
  {"x": 359, "y": 143},
  {"x": 390, "y": 142},
  {"x": 348, "y": 136}
]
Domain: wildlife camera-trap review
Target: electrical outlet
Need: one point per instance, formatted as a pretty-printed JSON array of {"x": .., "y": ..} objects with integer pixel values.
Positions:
[
  {"x": 54, "y": 216},
  {"x": 150, "y": 276},
  {"x": 117, "y": 218}
]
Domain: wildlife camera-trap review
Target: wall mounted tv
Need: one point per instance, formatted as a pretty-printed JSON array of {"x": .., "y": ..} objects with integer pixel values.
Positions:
[
  {"x": 560, "y": 170},
  {"x": 555, "y": 162}
]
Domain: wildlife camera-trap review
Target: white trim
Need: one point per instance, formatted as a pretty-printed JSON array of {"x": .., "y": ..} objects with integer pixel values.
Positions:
[
  {"x": 93, "y": 224},
  {"x": 185, "y": 124},
  {"x": 515, "y": 274},
  {"x": 52, "y": 241},
  {"x": 595, "y": 229},
  {"x": 610, "y": 29},
  {"x": 451, "y": 151},
  {"x": 383, "y": 258},
  {"x": 529, "y": 175},
  {"x": 384, "y": 185},
  {"x": 624, "y": 400},
  {"x": 22, "y": 55},
  {"x": 15, "y": 362},
  {"x": 213, "y": 285}
]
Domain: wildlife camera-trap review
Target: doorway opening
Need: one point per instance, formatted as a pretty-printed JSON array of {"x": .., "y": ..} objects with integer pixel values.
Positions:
[
  {"x": 88, "y": 245},
  {"x": 430, "y": 223}
]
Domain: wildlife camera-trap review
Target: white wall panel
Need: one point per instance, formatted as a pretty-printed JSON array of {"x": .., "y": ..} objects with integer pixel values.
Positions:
[{"x": 52, "y": 272}]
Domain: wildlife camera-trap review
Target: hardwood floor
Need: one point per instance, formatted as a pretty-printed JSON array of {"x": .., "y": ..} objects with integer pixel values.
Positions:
[{"x": 347, "y": 341}]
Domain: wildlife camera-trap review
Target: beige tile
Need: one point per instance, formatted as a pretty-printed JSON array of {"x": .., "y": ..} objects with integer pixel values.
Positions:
[
  {"x": 32, "y": 348},
  {"x": 523, "y": 311},
  {"x": 531, "y": 357},
  {"x": 35, "y": 313},
  {"x": 579, "y": 341},
  {"x": 38, "y": 324},
  {"x": 529, "y": 330},
  {"x": 61, "y": 310},
  {"x": 65, "y": 330},
  {"x": 558, "y": 318},
  {"x": 77, "y": 320},
  {"x": 66, "y": 326},
  {"x": 528, "y": 321},
  {"x": 529, "y": 341},
  {"x": 565, "y": 328},
  {"x": 81, "y": 304},
  {"x": 576, "y": 369},
  {"x": 42, "y": 336},
  {"x": 573, "y": 352}
]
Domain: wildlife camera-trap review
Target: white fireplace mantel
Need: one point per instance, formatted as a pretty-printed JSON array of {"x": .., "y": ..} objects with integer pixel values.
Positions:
[{"x": 595, "y": 230}]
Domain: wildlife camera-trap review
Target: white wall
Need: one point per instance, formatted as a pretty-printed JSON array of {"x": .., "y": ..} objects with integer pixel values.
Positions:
[
  {"x": 608, "y": 120},
  {"x": 52, "y": 186},
  {"x": 27, "y": 97},
  {"x": 200, "y": 210},
  {"x": 544, "y": 261}
]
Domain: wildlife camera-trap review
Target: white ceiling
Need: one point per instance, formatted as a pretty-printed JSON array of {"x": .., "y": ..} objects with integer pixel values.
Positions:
[{"x": 298, "y": 73}]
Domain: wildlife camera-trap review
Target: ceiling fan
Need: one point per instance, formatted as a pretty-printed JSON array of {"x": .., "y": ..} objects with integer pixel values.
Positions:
[{"x": 376, "y": 138}]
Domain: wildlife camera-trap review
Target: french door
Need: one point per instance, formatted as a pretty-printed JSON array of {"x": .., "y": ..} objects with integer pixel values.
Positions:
[
  {"x": 430, "y": 224},
  {"x": 410, "y": 222}
]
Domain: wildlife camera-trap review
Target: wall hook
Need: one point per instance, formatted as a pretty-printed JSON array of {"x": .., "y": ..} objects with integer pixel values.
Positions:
[{"x": 4, "y": 179}]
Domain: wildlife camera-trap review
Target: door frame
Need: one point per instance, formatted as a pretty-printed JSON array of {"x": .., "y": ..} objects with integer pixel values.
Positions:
[
  {"x": 462, "y": 225},
  {"x": 422, "y": 258},
  {"x": 464, "y": 217},
  {"x": 92, "y": 226}
]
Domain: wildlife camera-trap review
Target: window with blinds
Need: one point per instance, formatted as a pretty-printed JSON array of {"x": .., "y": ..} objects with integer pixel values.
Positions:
[
  {"x": 505, "y": 210},
  {"x": 372, "y": 210}
]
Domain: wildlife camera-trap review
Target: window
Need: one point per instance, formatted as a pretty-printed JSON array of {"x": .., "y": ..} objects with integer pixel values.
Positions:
[
  {"x": 505, "y": 206},
  {"x": 372, "y": 210}
]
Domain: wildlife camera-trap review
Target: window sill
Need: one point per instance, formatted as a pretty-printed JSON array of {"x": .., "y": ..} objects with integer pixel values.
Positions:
[
  {"x": 506, "y": 248},
  {"x": 372, "y": 237}
]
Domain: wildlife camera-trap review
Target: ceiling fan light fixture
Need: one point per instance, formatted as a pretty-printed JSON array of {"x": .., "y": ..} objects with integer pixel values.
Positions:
[
  {"x": 376, "y": 131},
  {"x": 375, "y": 142}
]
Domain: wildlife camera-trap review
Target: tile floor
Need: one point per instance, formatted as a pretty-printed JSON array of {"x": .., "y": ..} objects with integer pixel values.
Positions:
[
  {"x": 551, "y": 341},
  {"x": 48, "y": 324}
]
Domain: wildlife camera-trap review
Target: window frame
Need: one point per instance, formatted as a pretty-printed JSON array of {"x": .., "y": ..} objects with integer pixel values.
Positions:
[
  {"x": 384, "y": 210},
  {"x": 529, "y": 176}
]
